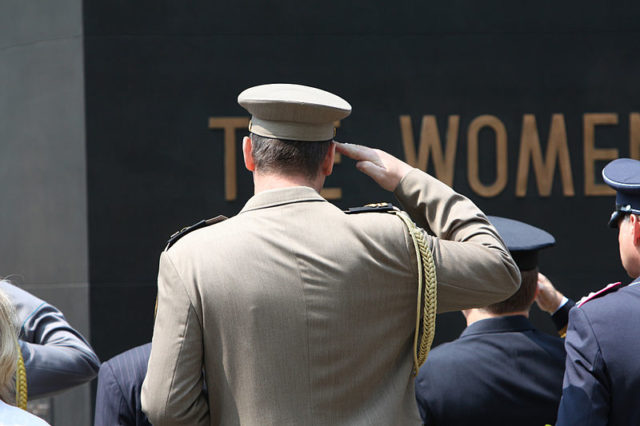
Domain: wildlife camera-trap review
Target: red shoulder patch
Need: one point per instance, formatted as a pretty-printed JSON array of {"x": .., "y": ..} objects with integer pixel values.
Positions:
[{"x": 595, "y": 294}]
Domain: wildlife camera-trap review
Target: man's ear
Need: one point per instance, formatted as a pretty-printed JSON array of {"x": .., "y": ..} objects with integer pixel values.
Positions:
[
  {"x": 247, "y": 152},
  {"x": 327, "y": 164},
  {"x": 635, "y": 228}
]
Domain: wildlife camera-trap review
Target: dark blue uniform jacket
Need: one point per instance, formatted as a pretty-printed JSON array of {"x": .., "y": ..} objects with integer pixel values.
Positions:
[
  {"x": 501, "y": 371},
  {"x": 602, "y": 378},
  {"x": 119, "y": 383}
]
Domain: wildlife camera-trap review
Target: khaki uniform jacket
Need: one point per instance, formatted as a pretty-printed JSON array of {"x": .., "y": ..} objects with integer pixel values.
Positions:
[{"x": 296, "y": 313}]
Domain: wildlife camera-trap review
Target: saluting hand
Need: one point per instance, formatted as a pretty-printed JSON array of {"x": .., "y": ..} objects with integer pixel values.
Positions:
[
  {"x": 548, "y": 298},
  {"x": 382, "y": 167}
]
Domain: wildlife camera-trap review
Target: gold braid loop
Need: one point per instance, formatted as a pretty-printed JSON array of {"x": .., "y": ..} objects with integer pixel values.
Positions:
[
  {"x": 21, "y": 381},
  {"x": 427, "y": 299}
]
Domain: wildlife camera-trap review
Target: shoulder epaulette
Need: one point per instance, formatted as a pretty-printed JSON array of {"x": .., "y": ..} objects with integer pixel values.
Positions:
[
  {"x": 596, "y": 294},
  {"x": 373, "y": 207},
  {"x": 184, "y": 231}
]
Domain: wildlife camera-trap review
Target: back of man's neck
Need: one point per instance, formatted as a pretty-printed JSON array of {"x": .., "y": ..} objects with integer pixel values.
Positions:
[
  {"x": 266, "y": 182},
  {"x": 480, "y": 314}
]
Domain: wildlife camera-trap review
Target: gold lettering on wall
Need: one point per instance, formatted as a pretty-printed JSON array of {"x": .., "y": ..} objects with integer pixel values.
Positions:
[
  {"x": 530, "y": 151},
  {"x": 430, "y": 142},
  {"x": 429, "y": 147},
  {"x": 473, "y": 156},
  {"x": 229, "y": 125},
  {"x": 634, "y": 135},
  {"x": 593, "y": 154}
]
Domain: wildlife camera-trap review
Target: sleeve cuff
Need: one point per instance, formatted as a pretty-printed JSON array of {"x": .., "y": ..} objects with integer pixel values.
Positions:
[
  {"x": 560, "y": 317},
  {"x": 562, "y": 303}
]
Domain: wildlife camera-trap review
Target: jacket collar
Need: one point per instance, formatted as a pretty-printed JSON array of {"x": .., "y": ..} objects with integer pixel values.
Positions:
[
  {"x": 280, "y": 196},
  {"x": 498, "y": 325}
]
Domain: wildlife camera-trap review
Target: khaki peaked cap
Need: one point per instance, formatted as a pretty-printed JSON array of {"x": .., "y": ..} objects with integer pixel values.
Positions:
[{"x": 293, "y": 111}]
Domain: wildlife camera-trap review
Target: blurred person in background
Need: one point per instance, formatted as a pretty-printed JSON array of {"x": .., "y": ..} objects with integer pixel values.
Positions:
[
  {"x": 9, "y": 355},
  {"x": 119, "y": 385},
  {"x": 602, "y": 375},
  {"x": 56, "y": 356},
  {"x": 501, "y": 370}
]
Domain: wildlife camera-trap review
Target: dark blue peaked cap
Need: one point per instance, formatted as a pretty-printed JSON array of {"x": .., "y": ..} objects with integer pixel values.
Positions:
[
  {"x": 523, "y": 240},
  {"x": 623, "y": 175}
]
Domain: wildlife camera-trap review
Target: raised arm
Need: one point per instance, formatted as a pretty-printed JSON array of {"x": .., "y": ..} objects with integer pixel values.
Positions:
[
  {"x": 550, "y": 300},
  {"x": 56, "y": 356},
  {"x": 473, "y": 266}
]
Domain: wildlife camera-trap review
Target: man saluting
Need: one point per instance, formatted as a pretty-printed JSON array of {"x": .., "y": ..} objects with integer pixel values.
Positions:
[
  {"x": 294, "y": 312},
  {"x": 602, "y": 374}
]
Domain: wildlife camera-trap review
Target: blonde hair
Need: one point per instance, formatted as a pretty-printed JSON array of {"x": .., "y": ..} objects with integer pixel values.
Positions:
[{"x": 8, "y": 349}]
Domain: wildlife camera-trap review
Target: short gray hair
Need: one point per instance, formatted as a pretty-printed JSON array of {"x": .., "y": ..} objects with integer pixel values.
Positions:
[{"x": 289, "y": 157}]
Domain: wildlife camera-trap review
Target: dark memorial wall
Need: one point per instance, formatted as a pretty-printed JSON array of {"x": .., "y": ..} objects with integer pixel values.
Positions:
[{"x": 517, "y": 106}]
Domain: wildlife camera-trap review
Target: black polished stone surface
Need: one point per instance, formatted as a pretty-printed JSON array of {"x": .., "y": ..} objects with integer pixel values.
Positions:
[{"x": 155, "y": 72}]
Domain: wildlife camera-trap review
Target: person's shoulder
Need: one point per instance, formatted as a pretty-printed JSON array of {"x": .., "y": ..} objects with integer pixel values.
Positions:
[
  {"x": 382, "y": 207},
  {"x": 379, "y": 217},
  {"x": 445, "y": 353},
  {"x": 132, "y": 360},
  {"x": 631, "y": 289},
  {"x": 552, "y": 345},
  {"x": 18, "y": 295},
  {"x": 600, "y": 297},
  {"x": 133, "y": 353},
  {"x": 190, "y": 230},
  {"x": 10, "y": 415},
  {"x": 441, "y": 361},
  {"x": 602, "y": 309}
]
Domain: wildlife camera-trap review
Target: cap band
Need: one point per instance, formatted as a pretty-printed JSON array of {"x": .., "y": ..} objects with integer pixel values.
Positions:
[
  {"x": 620, "y": 211},
  {"x": 291, "y": 131},
  {"x": 526, "y": 260},
  {"x": 623, "y": 175},
  {"x": 627, "y": 202}
]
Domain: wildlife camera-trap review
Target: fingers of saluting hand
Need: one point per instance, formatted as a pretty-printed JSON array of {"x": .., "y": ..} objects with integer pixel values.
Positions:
[
  {"x": 369, "y": 162},
  {"x": 382, "y": 167},
  {"x": 375, "y": 171},
  {"x": 548, "y": 298},
  {"x": 544, "y": 282},
  {"x": 359, "y": 153}
]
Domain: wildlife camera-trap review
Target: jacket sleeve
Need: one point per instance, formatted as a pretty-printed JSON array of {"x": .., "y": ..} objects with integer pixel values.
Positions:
[
  {"x": 585, "y": 389},
  {"x": 111, "y": 406},
  {"x": 560, "y": 318},
  {"x": 473, "y": 266},
  {"x": 172, "y": 390},
  {"x": 56, "y": 356}
]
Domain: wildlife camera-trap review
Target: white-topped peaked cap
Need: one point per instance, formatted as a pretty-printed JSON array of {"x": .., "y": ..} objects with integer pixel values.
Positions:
[{"x": 293, "y": 111}]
